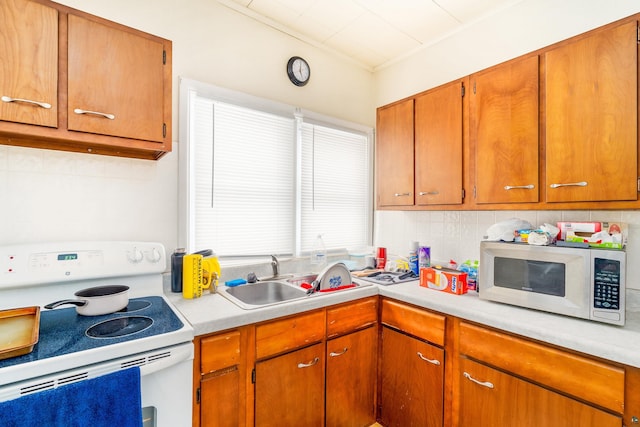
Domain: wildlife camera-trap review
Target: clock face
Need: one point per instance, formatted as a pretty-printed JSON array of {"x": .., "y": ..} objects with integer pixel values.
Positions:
[{"x": 298, "y": 71}]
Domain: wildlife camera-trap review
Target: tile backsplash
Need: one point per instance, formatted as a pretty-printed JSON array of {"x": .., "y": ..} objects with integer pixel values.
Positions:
[{"x": 457, "y": 234}]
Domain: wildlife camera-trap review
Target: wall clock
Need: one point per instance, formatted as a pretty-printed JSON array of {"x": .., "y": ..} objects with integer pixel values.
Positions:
[{"x": 298, "y": 71}]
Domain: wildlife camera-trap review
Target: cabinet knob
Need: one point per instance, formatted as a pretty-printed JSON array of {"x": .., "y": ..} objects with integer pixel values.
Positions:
[
  {"x": 338, "y": 353},
  {"x": 95, "y": 113},
  {"x": 432, "y": 361},
  {"x": 307, "y": 365},
  {"x": 523, "y": 187},
  {"x": 570, "y": 184},
  {"x": 484, "y": 384},
  {"x": 27, "y": 101}
]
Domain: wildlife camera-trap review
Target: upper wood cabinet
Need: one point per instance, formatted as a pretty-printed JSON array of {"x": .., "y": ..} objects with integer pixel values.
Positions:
[
  {"x": 503, "y": 132},
  {"x": 591, "y": 114},
  {"x": 419, "y": 149},
  {"x": 29, "y": 66},
  {"x": 394, "y": 154},
  {"x": 556, "y": 128},
  {"x": 76, "y": 82},
  {"x": 438, "y": 145},
  {"x": 115, "y": 81}
]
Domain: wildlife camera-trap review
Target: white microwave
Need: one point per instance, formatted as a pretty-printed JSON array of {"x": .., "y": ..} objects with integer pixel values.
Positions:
[{"x": 584, "y": 283}]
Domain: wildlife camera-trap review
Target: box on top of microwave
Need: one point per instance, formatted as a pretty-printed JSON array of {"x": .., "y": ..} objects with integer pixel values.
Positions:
[{"x": 597, "y": 234}]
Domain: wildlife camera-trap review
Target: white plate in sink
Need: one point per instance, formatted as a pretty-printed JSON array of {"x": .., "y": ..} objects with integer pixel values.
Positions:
[{"x": 334, "y": 276}]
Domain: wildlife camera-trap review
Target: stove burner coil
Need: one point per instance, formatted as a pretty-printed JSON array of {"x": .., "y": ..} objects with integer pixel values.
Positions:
[{"x": 119, "y": 327}]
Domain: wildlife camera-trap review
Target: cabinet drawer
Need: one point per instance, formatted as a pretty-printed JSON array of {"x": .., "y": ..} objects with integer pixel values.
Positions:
[
  {"x": 352, "y": 316},
  {"x": 287, "y": 334},
  {"x": 420, "y": 323},
  {"x": 220, "y": 351},
  {"x": 587, "y": 379}
]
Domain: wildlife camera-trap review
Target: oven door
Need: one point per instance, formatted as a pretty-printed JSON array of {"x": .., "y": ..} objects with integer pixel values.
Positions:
[{"x": 166, "y": 383}]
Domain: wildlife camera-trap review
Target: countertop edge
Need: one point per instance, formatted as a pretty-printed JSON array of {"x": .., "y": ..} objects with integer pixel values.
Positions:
[{"x": 214, "y": 313}]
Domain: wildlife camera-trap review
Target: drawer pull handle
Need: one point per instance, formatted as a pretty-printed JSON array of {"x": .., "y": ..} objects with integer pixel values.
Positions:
[
  {"x": 484, "y": 384},
  {"x": 334, "y": 354},
  {"x": 307, "y": 365},
  {"x": 517, "y": 187},
  {"x": 96, "y": 113},
  {"x": 402, "y": 194},
  {"x": 432, "y": 361},
  {"x": 428, "y": 193},
  {"x": 28, "y": 101},
  {"x": 570, "y": 184}
]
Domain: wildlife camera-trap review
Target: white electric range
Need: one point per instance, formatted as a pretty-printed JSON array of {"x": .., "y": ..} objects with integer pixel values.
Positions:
[{"x": 148, "y": 333}]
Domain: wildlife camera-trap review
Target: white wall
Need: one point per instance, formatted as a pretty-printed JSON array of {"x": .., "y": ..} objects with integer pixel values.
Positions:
[
  {"x": 523, "y": 27},
  {"x": 53, "y": 196}
]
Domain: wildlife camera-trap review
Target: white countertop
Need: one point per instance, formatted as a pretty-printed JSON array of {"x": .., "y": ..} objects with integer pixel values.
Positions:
[{"x": 213, "y": 313}]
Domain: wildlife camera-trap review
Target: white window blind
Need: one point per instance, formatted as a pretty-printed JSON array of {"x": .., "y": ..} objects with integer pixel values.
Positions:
[
  {"x": 244, "y": 181},
  {"x": 335, "y": 195},
  {"x": 262, "y": 178}
]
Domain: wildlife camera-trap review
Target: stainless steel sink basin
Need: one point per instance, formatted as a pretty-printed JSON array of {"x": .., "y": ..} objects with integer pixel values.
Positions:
[
  {"x": 271, "y": 292},
  {"x": 261, "y": 294}
]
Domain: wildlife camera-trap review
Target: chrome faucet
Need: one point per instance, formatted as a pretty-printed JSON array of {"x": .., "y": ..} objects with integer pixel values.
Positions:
[{"x": 275, "y": 265}]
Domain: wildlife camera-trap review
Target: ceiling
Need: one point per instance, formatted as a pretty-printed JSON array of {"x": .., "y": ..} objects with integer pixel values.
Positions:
[{"x": 372, "y": 33}]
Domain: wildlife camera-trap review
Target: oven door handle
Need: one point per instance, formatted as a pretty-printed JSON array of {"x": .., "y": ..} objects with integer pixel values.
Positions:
[{"x": 172, "y": 356}]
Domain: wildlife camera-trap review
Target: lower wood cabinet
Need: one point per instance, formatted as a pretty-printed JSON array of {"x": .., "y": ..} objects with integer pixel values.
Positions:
[
  {"x": 220, "y": 399},
  {"x": 411, "y": 381},
  {"x": 339, "y": 367},
  {"x": 516, "y": 381},
  {"x": 352, "y": 361},
  {"x": 490, "y": 398},
  {"x": 412, "y": 367},
  {"x": 289, "y": 389},
  {"x": 219, "y": 386}
]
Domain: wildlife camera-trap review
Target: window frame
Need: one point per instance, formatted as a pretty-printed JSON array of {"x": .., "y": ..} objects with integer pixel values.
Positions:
[{"x": 189, "y": 88}]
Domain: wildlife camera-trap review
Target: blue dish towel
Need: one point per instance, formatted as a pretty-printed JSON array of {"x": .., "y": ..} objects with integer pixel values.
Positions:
[{"x": 107, "y": 401}]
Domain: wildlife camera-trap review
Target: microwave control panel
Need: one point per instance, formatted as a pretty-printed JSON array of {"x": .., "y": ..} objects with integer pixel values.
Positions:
[{"x": 606, "y": 284}]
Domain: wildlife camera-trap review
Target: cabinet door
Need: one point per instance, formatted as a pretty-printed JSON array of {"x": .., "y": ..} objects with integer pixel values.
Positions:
[
  {"x": 411, "y": 382},
  {"x": 591, "y": 117},
  {"x": 29, "y": 65},
  {"x": 490, "y": 398},
  {"x": 351, "y": 379},
  {"x": 289, "y": 389},
  {"x": 438, "y": 146},
  {"x": 503, "y": 130},
  {"x": 220, "y": 399},
  {"x": 116, "y": 81},
  {"x": 394, "y": 154}
]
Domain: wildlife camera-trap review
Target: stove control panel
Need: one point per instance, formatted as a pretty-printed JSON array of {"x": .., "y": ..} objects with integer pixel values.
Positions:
[{"x": 69, "y": 261}]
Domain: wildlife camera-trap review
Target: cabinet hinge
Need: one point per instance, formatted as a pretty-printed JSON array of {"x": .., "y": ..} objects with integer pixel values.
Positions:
[
  {"x": 253, "y": 376},
  {"x": 164, "y": 130},
  {"x": 638, "y": 185},
  {"x": 463, "y": 90},
  {"x": 164, "y": 57},
  {"x": 638, "y": 34},
  {"x": 198, "y": 395},
  {"x": 463, "y": 194}
]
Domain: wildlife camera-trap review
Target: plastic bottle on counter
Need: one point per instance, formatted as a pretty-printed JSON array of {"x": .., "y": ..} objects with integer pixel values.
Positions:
[
  {"x": 176, "y": 269},
  {"x": 413, "y": 258},
  {"x": 319, "y": 253}
]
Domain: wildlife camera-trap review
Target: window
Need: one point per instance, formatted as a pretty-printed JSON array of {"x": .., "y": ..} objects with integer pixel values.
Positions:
[{"x": 259, "y": 178}]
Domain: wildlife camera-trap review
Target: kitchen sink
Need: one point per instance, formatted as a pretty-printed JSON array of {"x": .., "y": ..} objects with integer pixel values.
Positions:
[
  {"x": 271, "y": 292},
  {"x": 261, "y": 294}
]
